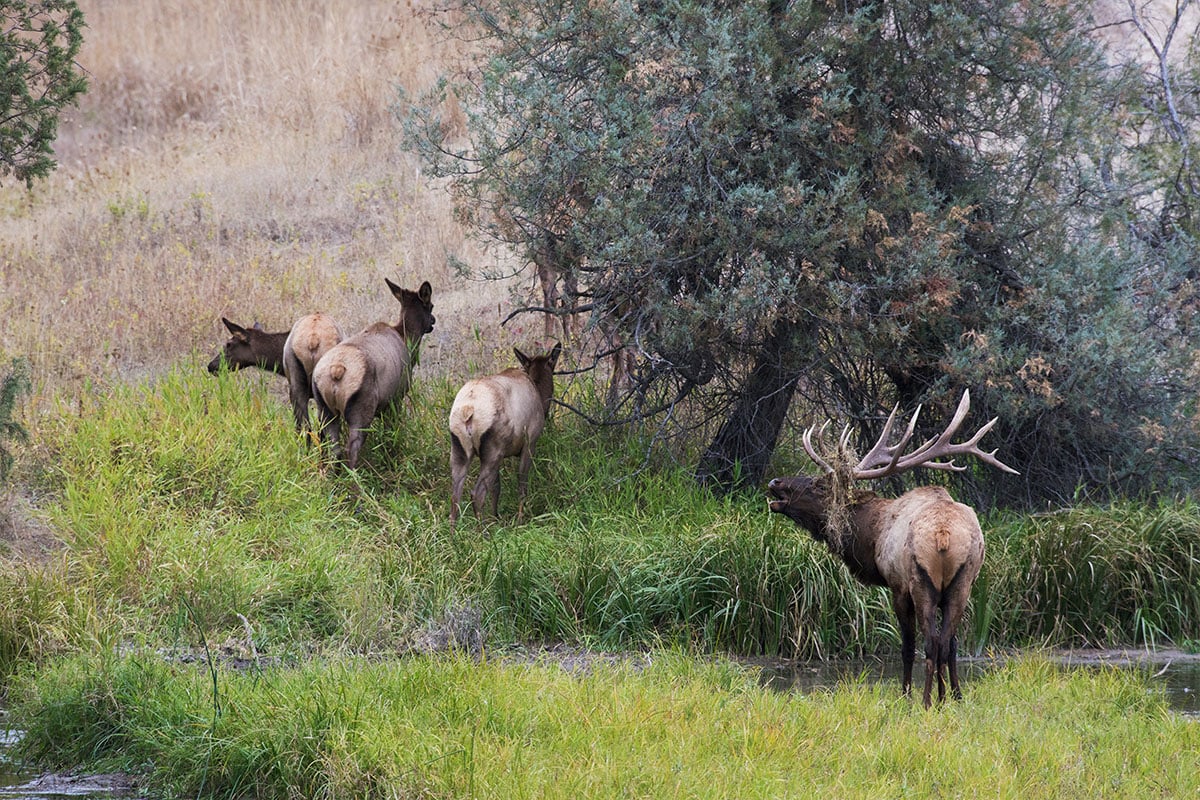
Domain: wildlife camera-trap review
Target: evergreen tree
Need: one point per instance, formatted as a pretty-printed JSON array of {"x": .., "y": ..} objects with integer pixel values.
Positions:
[
  {"x": 856, "y": 203},
  {"x": 39, "y": 40},
  {"x": 13, "y": 385}
]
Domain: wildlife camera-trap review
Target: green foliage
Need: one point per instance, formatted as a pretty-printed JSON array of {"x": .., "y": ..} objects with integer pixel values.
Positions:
[
  {"x": 672, "y": 727},
  {"x": 12, "y": 386},
  {"x": 39, "y": 41},
  {"x": 859, "y": 203}
]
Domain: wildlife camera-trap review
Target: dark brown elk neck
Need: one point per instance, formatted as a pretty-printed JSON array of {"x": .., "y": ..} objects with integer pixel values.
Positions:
[
  {"x": 268, "y": 350},
  {"x": 854, "y": 540}
]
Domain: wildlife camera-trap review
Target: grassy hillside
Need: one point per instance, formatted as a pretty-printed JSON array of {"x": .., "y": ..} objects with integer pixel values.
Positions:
[{"x": 231, "y": 159}]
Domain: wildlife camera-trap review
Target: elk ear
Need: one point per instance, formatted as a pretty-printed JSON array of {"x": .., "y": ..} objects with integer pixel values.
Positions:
[
  {"x": 397, "y": 292},
  {"x": 425, "y": 293},
  {"x": 233, "y": 327},
  {"x": 555, "y": 353},
  {"x": 521, "y": 357}
]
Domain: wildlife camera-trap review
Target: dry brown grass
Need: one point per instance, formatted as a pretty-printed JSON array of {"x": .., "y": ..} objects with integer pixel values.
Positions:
[{"x": 237, "y": 159}]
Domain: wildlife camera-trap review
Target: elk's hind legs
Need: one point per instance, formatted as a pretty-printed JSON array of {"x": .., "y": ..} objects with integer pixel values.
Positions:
[
  {"x": 460, "y": 460},
  {"x": 488, "y": 481},
  {"x": 955, "y": 606},
  {"x": 906, "y": 614}
]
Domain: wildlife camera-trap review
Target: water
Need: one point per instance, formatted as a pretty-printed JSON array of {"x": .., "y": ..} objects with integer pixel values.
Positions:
[
  {"x": 1178, "y": 678},
  {"x": 18, "y": 782}
]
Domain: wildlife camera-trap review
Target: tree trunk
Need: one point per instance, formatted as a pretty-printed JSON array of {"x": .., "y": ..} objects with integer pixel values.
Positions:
[{"x": 739, "y": 454}]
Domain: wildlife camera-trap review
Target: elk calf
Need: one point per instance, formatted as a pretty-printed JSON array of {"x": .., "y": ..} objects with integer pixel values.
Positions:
[
  {"x": 924, "y": 546},
  {"x": 496, "y": 417},
  {"x": 250, "y": 347},
  {"x": 311, "y": 337},
  {"x": 372, "y": 368}
]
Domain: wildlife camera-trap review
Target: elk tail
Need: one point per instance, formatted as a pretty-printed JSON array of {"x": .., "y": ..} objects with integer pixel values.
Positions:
[{"x": 942, "y": 539}]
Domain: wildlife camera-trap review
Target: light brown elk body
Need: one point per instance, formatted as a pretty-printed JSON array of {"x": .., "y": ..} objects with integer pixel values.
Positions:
[
  {"x": 250, "y": 347},
  {"x": 311, "y": 337},
  {"x": 496, "y": 417},
  {"x": 370, "y": 369},
  {"x": 925, "y": 547}
]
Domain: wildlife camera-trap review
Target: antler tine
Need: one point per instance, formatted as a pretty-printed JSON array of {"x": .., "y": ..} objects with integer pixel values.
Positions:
[
  {"x": 812, "y": 452},
  {"x": 844, "y": 440},
  {"x": 938, "y": 447},
  {"x": 882, "y": 456}
]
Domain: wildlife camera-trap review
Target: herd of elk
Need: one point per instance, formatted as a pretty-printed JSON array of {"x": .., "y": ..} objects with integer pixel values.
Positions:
[
  {"x": 496, "y": 417},
  {"x": 369, "y": 370},
  {"x": 925, "y": 547}
]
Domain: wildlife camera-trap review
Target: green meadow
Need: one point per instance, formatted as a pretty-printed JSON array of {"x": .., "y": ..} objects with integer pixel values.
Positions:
[{"x": 229, "y": 615}]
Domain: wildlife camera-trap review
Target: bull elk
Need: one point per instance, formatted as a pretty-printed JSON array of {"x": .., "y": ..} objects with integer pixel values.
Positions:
[
  {"x": 250, "y": 347},
  {"x": 311, "y": 337},
  {"x": 371, "y": 369},
  {"x": 925, "y": 547},
  {"x": 495, "y": 417}
]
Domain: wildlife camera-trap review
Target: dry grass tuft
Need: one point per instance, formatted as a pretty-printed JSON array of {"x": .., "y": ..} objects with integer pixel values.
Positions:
[{"x": 236, "y": 159}]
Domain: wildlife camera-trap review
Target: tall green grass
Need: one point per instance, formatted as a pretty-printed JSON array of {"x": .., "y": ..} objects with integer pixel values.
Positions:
[
  {"x": 193, "y": 515},
  {"x": 678, "y": 727},
  {"x": 1129, "y": 573}
]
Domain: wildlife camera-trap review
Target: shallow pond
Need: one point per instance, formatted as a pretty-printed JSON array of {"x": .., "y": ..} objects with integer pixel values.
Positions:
[{"x": 16, "y": 782}]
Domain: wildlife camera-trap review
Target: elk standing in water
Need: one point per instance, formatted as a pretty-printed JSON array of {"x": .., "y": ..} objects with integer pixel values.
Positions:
[
  {"x": 360, "y": 375},
  {"x": 310, "y": 338},
  {"x": 924, "y": 546},
  {"x": 496, "y": 417},
  {"x": 250, "y": 347}
]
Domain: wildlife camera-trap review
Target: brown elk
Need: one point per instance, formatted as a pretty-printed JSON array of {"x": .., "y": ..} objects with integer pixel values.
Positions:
[
  {"x": 250, "y": 347},
  {"x": 311, "y": 337},
  {"x": 923, "y": 545},
  {"x": 371, "y": 369},
  {"x": 495, "y": 417}
]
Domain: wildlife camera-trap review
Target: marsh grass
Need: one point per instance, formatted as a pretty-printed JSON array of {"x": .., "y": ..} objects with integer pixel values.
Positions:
[
  {"x": 191, "y": 512},
  {"x": 676, "y": 727},
  {"x": 1089, "y": 576}
]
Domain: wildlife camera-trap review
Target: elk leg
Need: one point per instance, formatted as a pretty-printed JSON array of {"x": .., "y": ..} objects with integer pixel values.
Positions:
[
  {"x": 299, "y": 391},
  {"x": 903, "y": 606},
  {"x": 488, "y": 482},
  {"x": 952, "y": 662},
  {"x": 523, "y": 478},
  {"x": 358, "y": 419},
  {"x": 927, "y": 617},
  {"x": 956, "y": 606},
  {"x": 459, "y": 462},
  {"x": 330, "y": 427}
]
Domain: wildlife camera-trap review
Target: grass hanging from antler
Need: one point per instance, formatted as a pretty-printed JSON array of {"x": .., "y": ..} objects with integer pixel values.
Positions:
[{"x": 842, "y": 494}]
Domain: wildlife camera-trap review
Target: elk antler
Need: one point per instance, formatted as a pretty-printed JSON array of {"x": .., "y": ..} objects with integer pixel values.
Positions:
[{"x": 884, "y": 459}]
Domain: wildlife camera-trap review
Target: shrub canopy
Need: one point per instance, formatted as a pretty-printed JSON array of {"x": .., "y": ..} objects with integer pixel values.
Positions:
[{"x": 856, "y": 204}]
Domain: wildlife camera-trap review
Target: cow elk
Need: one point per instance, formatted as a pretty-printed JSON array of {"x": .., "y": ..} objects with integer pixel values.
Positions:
[
  {"x": 310, "y": 338},
  {"x": 495, "y": 417},
  {"x": 925, "y": 547},
  {"x": 250, "y": 347},
  {"x": 369, "y": 370}
]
